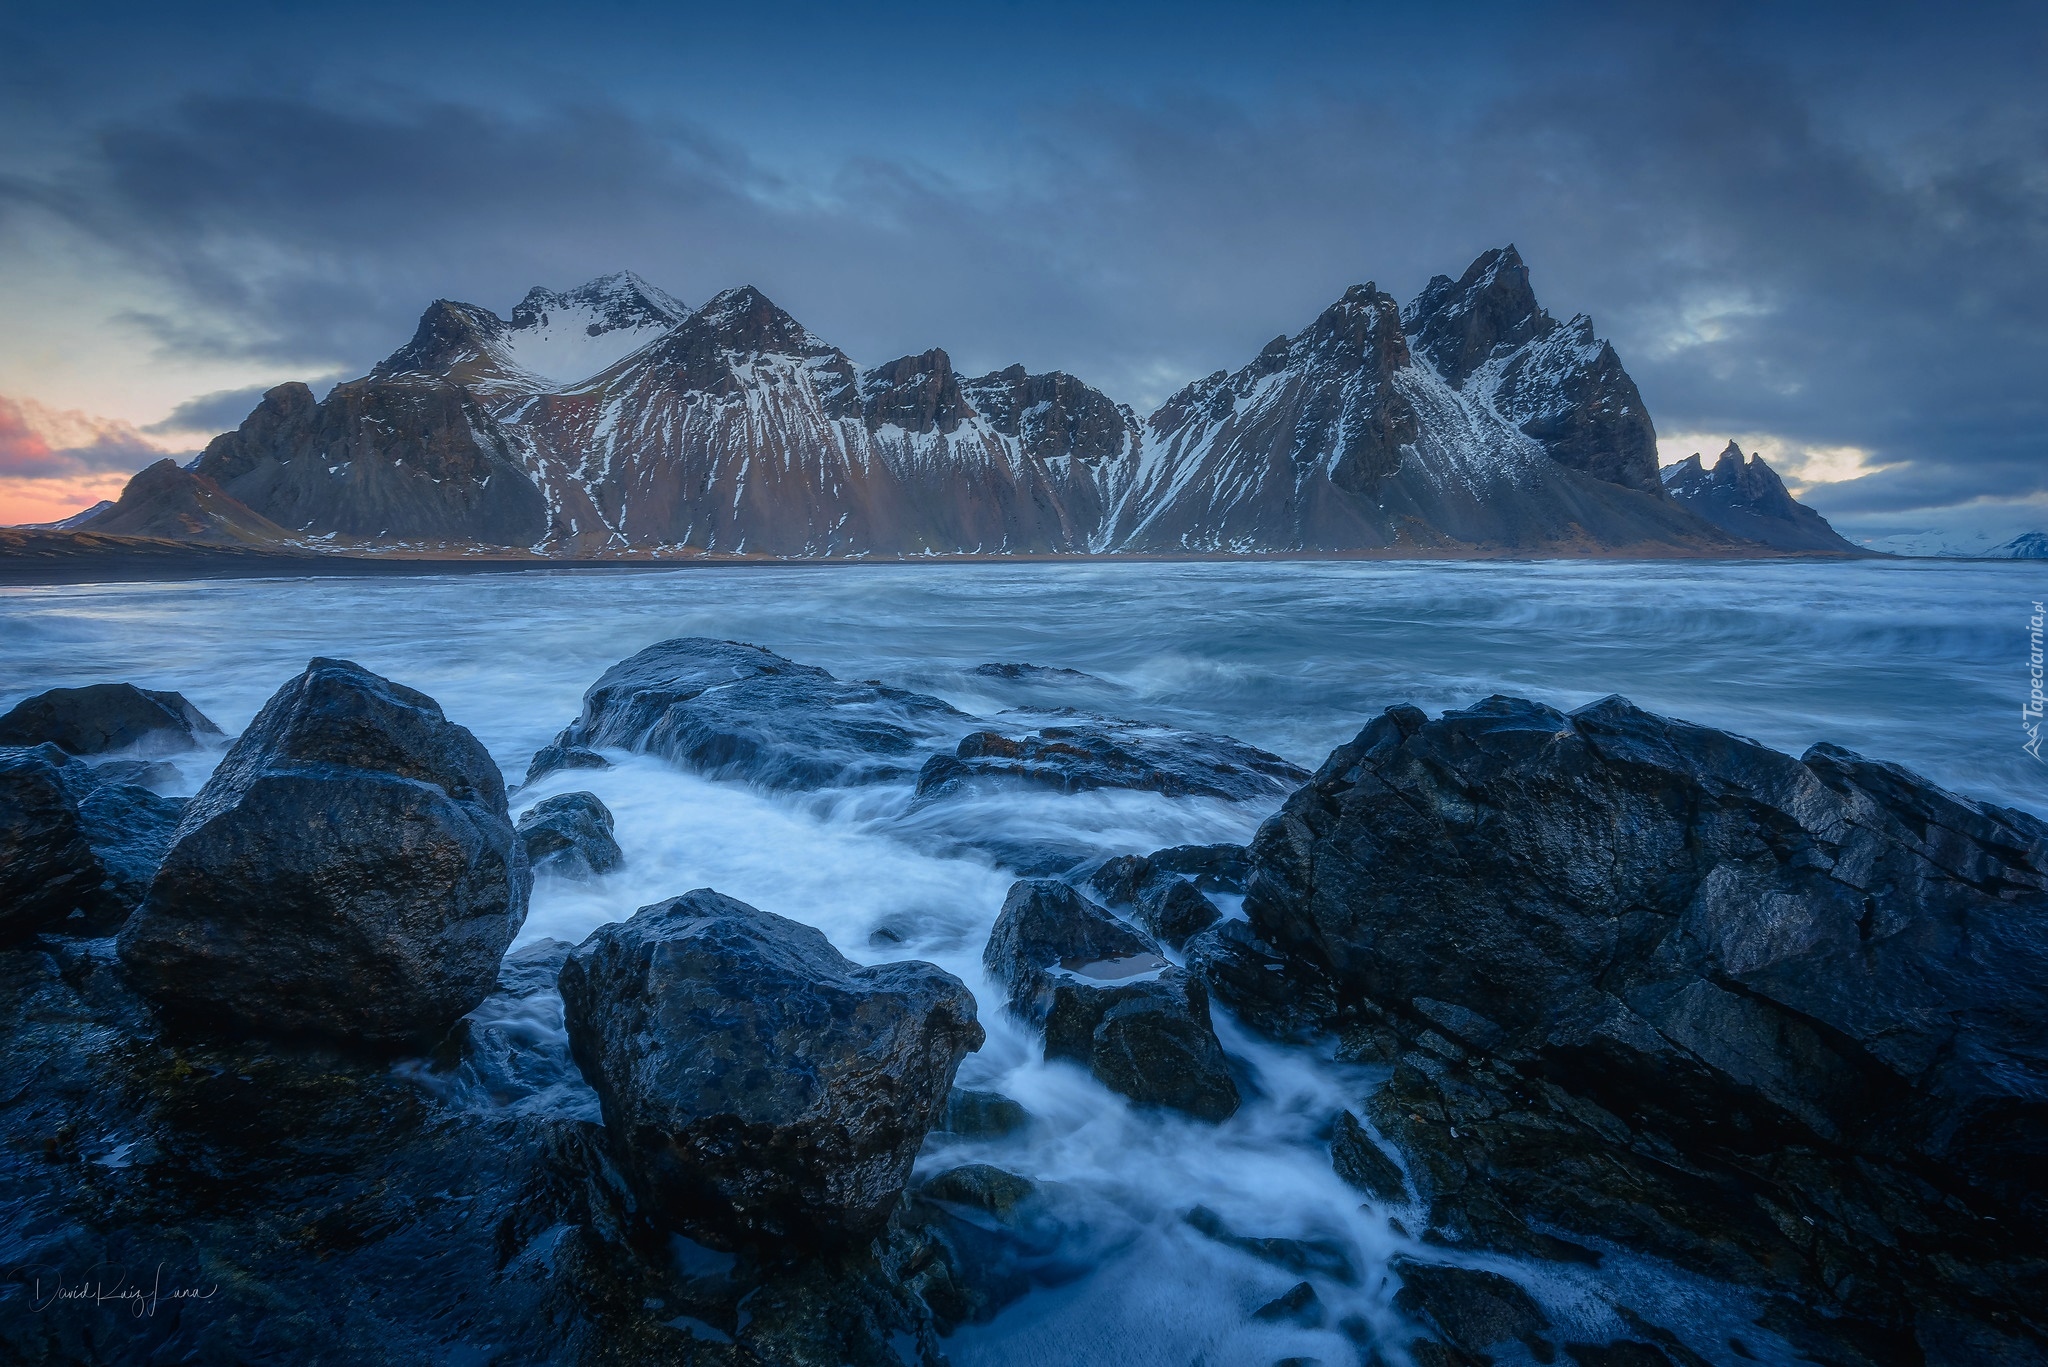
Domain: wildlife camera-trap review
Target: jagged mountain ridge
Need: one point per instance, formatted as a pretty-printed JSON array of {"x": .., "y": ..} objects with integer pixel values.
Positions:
[
  {"x": 1471, "y": 419},
  {"x": 1744, "y": 497}
]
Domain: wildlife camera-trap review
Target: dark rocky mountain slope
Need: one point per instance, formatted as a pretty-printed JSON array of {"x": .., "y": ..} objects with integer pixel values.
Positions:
[
  {"x": 168, "y": 500},
  {"x": 1744, "y": 497},
  {"x": 608, "y": 418}
]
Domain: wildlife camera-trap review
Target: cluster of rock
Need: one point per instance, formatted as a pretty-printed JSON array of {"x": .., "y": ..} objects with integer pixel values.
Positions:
[
  {"x": 1649, "y": 986},
  {"x": 343, "y": 890},
  {"x": 1636, "y": 988}
]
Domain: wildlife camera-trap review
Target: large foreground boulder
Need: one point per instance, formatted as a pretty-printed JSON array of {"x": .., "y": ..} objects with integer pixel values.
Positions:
[
  {"x": 738, "y": 711},
  {"x": 1107, "y": 999},
  {"x": 77, "y": 850},
  {"x": 1780, "y": 1019},
  {"x": 756, "y": 1083},
  {"x": 99, "y": 718},
  {"x": 350, "y": 870},
  {"x": 1079, "y": 754}
]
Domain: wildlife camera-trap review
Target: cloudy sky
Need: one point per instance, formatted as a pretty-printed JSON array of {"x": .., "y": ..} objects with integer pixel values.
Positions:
[{"x": 1823, "y": 232}]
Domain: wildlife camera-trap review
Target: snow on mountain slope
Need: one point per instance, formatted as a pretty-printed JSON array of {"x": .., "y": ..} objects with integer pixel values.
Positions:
[
  {"x": 553, "y": 339},
  {"x": 568, "y": 336},
  {"x": 741, "y": 431},
  {"x": 1471, "y": 418}
]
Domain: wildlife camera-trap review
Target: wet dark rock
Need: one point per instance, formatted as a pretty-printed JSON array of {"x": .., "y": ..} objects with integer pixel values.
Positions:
[
  {"x": 139, "y": 773},
  {"x": 100, "y": 718},
  {"x": 754, "y": 1081},
  {"x": 1284, "y": 998},
  {"x": 1298, "y": 1305},
  {"x": 737, "y": 711},
  {"x": 1473, "y": 1310},
  {"x": 1172, "y": 909},
  {"x": 1152, "y": 1042},
  {"x": 570, "y": 835},
  {"x": 1021, "y": 673},
  {"x": 1106, "y": 999},
  {"x": 1047, "y": 929},
  {"x": 1620, "y": 1353},
  {"x": 1361, "y": 1162},
  {"x": 554, "y": 757},
  {"x": 1091, "y": 753},
  {"x": 1214, "y": 868},
  {"x": 349, "y": 870},
  {"x": 1116, "y": 879},
  {"x": 1777, "y": 1020},
  {"x": 331, "y": 1210},
  {"x": 976, "y": 1114},
  {"x": 77, "y": 849},
  {"x": 983, "y": 1186},
  {"x": 1325, "y": 1258}
]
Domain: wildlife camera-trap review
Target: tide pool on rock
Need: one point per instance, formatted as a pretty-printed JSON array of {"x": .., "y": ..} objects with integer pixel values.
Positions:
[{"x": 1292, "y": 659}]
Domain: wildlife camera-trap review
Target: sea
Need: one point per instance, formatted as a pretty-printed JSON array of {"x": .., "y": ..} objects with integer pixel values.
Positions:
[{"x": 1924, "y": 664}]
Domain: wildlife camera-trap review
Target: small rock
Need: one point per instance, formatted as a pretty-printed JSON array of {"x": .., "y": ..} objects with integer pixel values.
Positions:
[
  {"x": 1299, "y": 1305},
  {"x": 570, "y": 834},
  {"x": 753, "y": 1079},
  {"x": 1620, "y": 1353},
  {"x": 1303, "y": 1257},
  {"x": 1116, "y": 881},
  {"x": 556, "y": 756},
  {"x": 1108, "y": 1000},
  {"x": 1045, "y": 925},
  {"x": 1154, "y": 1044},
  {"x": 349, "y": 870},
  {"x": 1032, "y": 673},
  {"x": 983, "y": 1115},
  {"x": 1473, "y": 1310},
  {"x": 1090, "y": 753},
  {"x": 1170, "y": 907},
  {"x": 982, "y": 1186},
  {"x": 1214, "y": 868},
  {"x": 1281, "y": 997},
  {"x": 100, "y": 718},
  {"x": 1363, "y": 1163},
  {"x": 77, "y": 850}
]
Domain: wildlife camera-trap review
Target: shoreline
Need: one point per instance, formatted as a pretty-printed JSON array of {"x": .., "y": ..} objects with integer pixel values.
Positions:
[{"x": 33, "y": 556}]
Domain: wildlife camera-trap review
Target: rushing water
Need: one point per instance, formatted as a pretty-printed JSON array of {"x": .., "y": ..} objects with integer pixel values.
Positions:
[{"x": 1925, "y": 664}]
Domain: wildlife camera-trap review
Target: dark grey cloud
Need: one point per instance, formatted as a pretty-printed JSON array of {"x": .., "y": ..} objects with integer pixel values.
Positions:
[{"x": 1768, "y": 253}]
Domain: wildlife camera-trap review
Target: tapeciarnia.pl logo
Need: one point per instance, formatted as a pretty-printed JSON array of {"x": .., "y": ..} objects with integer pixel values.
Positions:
[{"x": 2030, "y": 715}]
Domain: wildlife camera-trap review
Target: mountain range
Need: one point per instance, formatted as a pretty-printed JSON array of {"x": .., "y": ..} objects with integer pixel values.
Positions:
[{"x": 611, "y": 418}]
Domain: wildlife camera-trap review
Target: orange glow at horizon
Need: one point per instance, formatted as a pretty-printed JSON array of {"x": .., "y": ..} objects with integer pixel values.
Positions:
[{"x": 54, "y": 464}]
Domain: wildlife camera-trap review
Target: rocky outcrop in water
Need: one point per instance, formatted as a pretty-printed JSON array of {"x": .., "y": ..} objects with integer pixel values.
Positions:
[
  {"x": 1649, "y": 984},
  {"x": 101, "y": 718},
  {"x": 755, "y": 1082},
  {"x": 349, "y": 870},
  {"x": 737, "y": 711},
  {"x": 1107, "y": 999},
  {"x": 1744, "y": 497},
  {"x": 570, "y": 836},
  {"x": 1087, "y": 753},
  {"x": 77, "y": 848}
]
